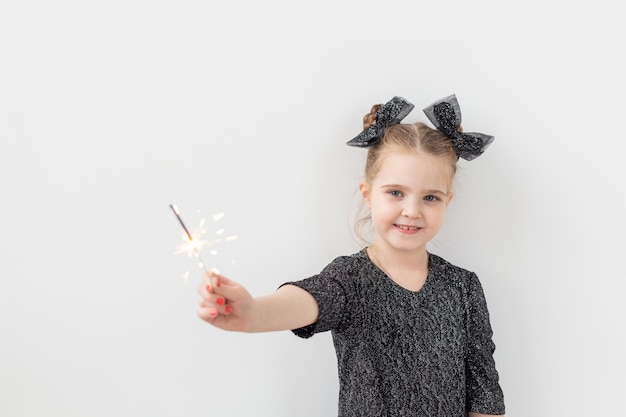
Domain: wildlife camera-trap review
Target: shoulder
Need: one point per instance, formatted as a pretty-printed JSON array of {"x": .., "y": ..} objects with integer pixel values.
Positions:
[
  {"x": 438, "y": 264},
  {"x": 453, "y": 274},
  {"x": 348, "y": 264},
  {"x": 350, "y": 272}
]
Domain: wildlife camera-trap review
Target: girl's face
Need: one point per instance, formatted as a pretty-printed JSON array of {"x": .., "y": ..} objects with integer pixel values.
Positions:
[{"x": 408, "y": 198}]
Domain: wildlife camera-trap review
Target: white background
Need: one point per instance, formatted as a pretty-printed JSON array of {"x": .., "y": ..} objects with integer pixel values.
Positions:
[{"x": 110, "y": 111}]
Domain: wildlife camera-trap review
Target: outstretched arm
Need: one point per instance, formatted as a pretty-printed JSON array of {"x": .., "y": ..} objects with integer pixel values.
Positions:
[{"x": 229, "y": 306}]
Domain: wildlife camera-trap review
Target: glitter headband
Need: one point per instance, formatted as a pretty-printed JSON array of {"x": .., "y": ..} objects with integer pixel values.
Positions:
[{"x": 445, "y": 115}]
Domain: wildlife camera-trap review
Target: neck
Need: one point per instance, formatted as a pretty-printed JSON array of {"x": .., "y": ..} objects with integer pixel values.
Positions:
[
  {"x": 394, "y": 259},
  {"x": 407, "y": 269}
]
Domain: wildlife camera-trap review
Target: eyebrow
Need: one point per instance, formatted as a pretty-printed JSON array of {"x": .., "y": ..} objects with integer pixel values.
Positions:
[
  {"x": 402, "y": 187},
  {"x": 436, "y": 192}
]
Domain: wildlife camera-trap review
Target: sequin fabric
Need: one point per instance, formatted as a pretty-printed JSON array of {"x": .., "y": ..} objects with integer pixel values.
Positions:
[
  {"x": 445, "y": 114},
  {"x": 404, "y": 353},
  {"x": 389, "y": 114}
]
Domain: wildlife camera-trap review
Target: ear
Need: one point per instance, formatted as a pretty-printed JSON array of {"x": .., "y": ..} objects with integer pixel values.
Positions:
[
  {"x": 364, "y": 189},
  {"x": 449, "y": 198}
]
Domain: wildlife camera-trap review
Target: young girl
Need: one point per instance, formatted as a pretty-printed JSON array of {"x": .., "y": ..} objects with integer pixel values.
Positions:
[{"x": 411, "y": 331}]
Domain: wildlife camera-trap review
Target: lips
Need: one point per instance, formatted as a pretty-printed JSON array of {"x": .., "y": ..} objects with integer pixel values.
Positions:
[{"x": 407, "y": 228}]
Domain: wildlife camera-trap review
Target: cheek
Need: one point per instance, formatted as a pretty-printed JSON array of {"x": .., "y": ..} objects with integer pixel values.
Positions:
[
  {"x": 437, "y": 214},
  {"x": 384, "y": 210},
  {"x": 376, "y": 207}
]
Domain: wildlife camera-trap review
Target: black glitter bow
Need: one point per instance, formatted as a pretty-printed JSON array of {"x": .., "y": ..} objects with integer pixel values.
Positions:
[
  {"x": 445, "y": 114},
  {"x": 389, "y": 114}
]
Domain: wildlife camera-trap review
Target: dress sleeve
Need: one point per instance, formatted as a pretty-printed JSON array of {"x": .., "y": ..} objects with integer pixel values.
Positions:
[
  {"x": 483, "y": 392},
  {"x": 330, "y": 290}
]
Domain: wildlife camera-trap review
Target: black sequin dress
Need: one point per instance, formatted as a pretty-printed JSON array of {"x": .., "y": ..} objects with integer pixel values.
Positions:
[{"x": 404, "y": 353}]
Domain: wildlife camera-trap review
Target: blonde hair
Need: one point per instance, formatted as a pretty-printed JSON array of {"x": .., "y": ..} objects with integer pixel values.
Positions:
[{"x": 415, "y": 137}]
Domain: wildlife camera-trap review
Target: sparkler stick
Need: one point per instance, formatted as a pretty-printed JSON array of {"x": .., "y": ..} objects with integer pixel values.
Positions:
[{"x": 190, "y": 237}]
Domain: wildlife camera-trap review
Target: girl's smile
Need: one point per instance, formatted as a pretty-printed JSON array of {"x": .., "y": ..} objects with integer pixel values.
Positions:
[{"x": 407, "y": 229}]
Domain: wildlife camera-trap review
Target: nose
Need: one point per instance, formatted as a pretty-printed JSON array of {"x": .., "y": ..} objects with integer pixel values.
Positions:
[{"x": 411, "y": 209}]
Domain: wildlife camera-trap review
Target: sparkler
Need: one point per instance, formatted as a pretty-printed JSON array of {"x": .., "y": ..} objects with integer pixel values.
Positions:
[
  {"x": 193, "y": 246},
  {"x": 194, "y": 242}
]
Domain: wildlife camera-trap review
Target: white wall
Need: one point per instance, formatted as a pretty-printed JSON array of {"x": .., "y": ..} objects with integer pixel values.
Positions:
[{"x": 110, "y": 111}]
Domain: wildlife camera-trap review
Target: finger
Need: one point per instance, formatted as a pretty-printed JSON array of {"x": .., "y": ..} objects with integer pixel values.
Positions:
[
  {"x": 217, "y": 280},
  {"x": 205, "y": 283},
  {"x": 205, "y": 289},
  {"x": 225, "y": 287},
  {"x": 211, "y": 300},
  {"x": 212, "y": 281},
  {"x": 208, "y": 313},
  {"x": 228, "y": 309},
  {"x": 215, "y": 301}
]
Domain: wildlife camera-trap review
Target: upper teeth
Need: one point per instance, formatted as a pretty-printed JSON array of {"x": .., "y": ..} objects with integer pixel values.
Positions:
[{"x": 407, "y": 227}]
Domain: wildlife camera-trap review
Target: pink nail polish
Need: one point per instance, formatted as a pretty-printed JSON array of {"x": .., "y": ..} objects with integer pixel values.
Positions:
[
  {"x": 213, "y": 312},
  {"x": 208, "y": 288},
  {"x": 220, "y": 301},
  {"x": 228, "y": 309}
]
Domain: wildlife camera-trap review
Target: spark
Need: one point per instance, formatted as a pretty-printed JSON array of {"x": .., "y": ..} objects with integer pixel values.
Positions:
[
  {"x": 194, "y": 241},
  {"x": 191, "y": 246}
]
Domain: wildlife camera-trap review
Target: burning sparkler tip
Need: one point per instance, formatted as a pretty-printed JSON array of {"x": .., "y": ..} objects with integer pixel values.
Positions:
[{"x": 193, "y": 241}]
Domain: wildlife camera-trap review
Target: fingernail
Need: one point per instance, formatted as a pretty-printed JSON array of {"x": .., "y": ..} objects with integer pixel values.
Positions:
[
  {"x": 208, "y": 288},
  {"x": 228, "y": 309},
  {"x": 213, "y": 312},
  {"x": 220, "y": 301}
]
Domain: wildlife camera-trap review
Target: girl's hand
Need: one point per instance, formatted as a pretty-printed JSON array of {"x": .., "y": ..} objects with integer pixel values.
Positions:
[
  {"x": 225, "y": 303},
  {"x": 229, "y": 306}
]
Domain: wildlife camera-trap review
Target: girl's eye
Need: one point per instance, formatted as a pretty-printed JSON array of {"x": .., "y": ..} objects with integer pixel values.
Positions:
[
  {"x": 432, "y": 198},
  {"x": 395, "y": 193}
]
